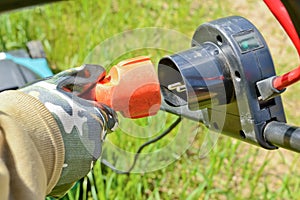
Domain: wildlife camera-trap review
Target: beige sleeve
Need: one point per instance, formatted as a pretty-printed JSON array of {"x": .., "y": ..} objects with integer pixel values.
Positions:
[{"x": 31, "y": 148}]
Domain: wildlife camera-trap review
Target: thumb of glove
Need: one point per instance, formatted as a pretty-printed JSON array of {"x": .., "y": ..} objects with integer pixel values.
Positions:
[{"x": 80, "y": 81}]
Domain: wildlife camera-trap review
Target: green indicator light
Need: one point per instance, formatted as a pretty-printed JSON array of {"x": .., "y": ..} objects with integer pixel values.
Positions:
[
  {"x": 244, "y": 45},
  {"x": 248, "y": 41}
]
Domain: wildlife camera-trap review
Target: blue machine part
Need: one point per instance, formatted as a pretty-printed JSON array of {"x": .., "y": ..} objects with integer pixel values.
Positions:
[{"x": 42, "y": 70}]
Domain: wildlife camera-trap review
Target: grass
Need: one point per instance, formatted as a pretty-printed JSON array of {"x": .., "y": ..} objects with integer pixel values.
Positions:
[{"x": 69, "y": 31}]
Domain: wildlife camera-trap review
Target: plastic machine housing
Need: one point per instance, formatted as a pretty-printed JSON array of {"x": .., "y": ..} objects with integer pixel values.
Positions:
[{"x": 214, "y": 82}]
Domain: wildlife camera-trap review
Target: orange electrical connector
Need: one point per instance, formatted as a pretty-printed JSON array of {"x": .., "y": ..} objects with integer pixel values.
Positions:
[{"x": 132, "y": 88}]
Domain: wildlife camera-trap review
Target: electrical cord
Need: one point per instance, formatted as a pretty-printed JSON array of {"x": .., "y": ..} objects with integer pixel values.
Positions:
[
  {"x": 280, "y": 12},
  {"x": 167, "y": 131},
  {"x": 282, "y": 15}
]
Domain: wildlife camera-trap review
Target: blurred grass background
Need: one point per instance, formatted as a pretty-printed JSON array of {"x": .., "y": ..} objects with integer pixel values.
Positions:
[{"x": 232, "y": 170}]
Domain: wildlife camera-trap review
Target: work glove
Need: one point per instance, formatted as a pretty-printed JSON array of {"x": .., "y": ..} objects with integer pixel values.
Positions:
[{"x": 83, "y": 122}]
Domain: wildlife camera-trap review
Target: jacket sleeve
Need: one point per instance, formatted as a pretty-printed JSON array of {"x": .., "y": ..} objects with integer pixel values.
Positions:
[{"x": 31, "y": 148}]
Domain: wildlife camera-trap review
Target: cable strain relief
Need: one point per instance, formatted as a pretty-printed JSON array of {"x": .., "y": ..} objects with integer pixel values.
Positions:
[{"x": 267, "y": 90}]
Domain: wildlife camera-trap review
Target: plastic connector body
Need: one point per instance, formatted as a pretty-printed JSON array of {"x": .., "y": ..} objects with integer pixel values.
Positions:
[{"x": 132, "y": 88}]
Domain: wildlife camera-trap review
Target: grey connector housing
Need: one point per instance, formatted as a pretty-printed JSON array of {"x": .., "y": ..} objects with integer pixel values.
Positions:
[
  {"x": 267, "y": 90},
  {"x": 220, "y": 71}
]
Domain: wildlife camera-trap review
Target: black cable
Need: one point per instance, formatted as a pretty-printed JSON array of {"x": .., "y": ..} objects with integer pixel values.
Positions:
[
  {"x": 168, "y": 130},
  {"x": 109, "y": 165}
]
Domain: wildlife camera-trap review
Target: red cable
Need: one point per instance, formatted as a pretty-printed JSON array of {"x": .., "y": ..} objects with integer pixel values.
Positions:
[
  {"x": 287, "y": 79},
  {"x": 280, "y": 12}
]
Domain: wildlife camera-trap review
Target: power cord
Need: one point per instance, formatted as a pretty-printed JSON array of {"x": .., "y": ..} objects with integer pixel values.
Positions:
[{"x": 168, "y": 130}]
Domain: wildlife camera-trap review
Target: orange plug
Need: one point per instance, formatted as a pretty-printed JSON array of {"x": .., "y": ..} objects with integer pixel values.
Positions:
[{"x": 132, "y": 88}]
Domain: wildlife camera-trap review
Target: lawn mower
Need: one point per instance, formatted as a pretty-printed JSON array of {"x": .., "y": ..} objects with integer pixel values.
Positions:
[
  {"x": 19, "y": 67},
  {"x": 22, "y": 66}
]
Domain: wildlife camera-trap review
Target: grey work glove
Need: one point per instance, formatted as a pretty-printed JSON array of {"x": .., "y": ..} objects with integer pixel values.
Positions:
[{"x": 83, "y": 123}]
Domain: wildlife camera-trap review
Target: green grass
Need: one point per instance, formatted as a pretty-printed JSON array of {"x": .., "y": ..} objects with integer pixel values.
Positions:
[{"x": 69, "y": 31}]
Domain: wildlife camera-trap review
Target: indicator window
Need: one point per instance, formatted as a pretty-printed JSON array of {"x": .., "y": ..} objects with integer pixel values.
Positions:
[{"x": 248, "y": 41}]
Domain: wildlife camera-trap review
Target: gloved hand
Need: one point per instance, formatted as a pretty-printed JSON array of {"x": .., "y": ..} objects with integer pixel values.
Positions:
[{"x": 83, "y": 122}]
